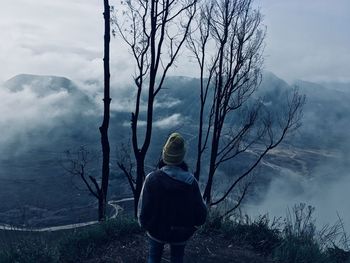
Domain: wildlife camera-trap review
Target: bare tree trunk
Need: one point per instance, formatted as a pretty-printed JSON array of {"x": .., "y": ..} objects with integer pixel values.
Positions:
[
  {"x": 233, "y": 70},
  {"x": 217, "y": 126},
  {"x": 140, "y": 175},
  {"x": 106, "y": 116},
  {"x": 212, "y": 167},
  {"x": 203, "y": 97},
  {"x": 155, "y": 46},
  {"x": 198, "y": 47},
  {"x": 101, "y": 209},
  {"x": 76, "y": 162},
  {"x": 199, "y": 144}
]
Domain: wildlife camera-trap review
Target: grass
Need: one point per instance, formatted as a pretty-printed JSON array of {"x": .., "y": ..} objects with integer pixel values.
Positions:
[
  {"x": 63, "y": 246},
  {"x": 82, "y": 244},
  {"x": 260, "y": 234},
  {"x": 28, "y": 248},
  {"x": 292, "y": 240}
]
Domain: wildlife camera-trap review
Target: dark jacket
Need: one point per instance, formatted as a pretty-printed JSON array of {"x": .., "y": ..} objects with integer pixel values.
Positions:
[{"x": 171, "y": 205}]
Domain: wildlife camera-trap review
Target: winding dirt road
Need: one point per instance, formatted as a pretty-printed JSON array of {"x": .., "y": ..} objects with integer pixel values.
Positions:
[{"x": 113, "y": 203}]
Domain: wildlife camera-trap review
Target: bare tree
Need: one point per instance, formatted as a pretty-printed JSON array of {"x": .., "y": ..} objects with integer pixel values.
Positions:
[
  {"x": 76, "y": 163},
  {"x": 106, "y": 115},
  {"x": 155, "y": 32},
  {"x": 228, "y": 46},
  {"x": 199, "y": 46}
]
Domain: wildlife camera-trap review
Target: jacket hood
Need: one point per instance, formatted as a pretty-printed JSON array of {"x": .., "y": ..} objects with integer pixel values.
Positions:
[{"x": 178, "y": 174}]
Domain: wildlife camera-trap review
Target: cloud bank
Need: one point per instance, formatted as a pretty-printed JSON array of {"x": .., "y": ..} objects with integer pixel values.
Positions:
[
  {"x": 307, "y": 39},
  {"x": 63, "y": 38},
  {"x": 304, "y": 41},
  {"x": 326, "y": 188}
]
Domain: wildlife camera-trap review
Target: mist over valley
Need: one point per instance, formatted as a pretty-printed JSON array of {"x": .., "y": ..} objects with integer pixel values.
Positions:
[{"x": 44, "y": 116}]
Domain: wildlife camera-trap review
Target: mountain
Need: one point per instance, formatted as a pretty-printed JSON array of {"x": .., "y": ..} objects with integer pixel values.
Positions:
[
  {"x": 62, "y": 103},
  {"x": 47, "y": 115},
  {"x": 339, "y": 86},
  {"x": 42, "y": 107},
  {"x": 326, "y": 119},
  {"x": 44, "y": 86}
]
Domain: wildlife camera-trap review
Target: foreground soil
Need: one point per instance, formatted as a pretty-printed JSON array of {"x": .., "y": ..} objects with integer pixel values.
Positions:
[{"x": 201, "y": 248}]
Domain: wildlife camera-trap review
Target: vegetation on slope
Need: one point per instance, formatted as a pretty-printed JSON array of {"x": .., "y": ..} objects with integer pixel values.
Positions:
[{"x": 240, "y": 239}]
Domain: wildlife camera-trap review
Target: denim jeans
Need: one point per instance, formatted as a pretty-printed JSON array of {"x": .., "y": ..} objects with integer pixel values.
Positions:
[{"x": 156, "y": 250}]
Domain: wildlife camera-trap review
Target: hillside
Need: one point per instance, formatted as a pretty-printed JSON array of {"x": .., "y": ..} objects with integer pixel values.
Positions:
[
  {"x": 202, "y": 248},
  {"x": 132, "y": 248},
  {"x": 122, "y": 241}
]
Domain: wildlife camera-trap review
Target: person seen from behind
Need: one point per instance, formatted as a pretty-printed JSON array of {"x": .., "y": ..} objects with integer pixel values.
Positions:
[{"x": 171, "y": 206}]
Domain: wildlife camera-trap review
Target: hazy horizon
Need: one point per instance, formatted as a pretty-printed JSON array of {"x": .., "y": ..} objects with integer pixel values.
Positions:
[{"x": 305, "y": 40}]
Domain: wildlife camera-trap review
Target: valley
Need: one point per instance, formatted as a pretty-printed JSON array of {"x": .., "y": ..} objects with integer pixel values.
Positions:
[{"x": 36, "y": 191}]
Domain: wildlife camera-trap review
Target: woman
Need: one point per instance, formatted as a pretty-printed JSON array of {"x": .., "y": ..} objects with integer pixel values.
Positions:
[{"x": 171, "y": 205}]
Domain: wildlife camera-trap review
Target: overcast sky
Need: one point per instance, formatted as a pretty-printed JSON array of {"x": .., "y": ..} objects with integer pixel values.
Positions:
[{"x": 306, "y": 39}]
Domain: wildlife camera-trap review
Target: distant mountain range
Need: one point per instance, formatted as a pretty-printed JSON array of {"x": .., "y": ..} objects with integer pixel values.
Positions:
[
  {"x": 52, "y": 114},
  {"x": 326, "y": 112}
]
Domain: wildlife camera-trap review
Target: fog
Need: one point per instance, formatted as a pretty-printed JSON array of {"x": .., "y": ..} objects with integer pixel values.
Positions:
[
  {"x": 326, "y": 189},
  {"x": 307, "y": 39},
  {"x": 323, "y": 180},
  {"x": 304, "y": 40},
  {"x": 56, "y": 112},
  {"x": 25, "y": 110},
  {"x": 64, "y": 38}
]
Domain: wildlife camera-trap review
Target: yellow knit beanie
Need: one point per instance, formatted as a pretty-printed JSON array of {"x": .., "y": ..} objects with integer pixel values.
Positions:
[{"x": 174, "y": 150}]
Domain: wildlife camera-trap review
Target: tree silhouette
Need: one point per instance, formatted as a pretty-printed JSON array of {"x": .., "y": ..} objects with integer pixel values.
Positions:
[
  {"x": 227, "y": 40},
  {"x": 228, "y": 46},
  {"x": 76, "y": 163},
  {"x": 155, "y": 32},
  {"x": 106, "y": 115}
]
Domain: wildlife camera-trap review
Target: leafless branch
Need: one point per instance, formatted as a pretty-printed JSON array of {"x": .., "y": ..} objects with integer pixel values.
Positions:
[{"x": 75, "y": 163}]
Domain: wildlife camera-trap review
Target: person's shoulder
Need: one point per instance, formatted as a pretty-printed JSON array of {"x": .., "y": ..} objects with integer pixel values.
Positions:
[
  {"x": 195, "y": 183},
  {"x": 192, "y": 179},
  {"x": 153, "y": 176}
]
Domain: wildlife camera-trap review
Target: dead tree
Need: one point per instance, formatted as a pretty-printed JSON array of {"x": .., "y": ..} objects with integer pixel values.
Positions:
[
  {"x": 228, "y": 47},
  {"x": 198, "y": 44},
  {"x": 77, "y": 163},
  {"x": 106, "y": 115},
  {"x": 155, "y": 32}
]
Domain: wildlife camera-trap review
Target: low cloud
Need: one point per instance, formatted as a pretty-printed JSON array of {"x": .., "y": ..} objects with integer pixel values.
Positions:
[
  {"x": 167, "y": 103},
  {"x": 33, "y": 107},
  {"x": 25, "y": 110},
  {"x": 125, "y": 102},
  {"x": 169, "y": 122},
  {"x": 165, "y": 123},
  {"x": 49, "y": 38},
  {"x": 326, "y": 189},
  {"x": 306, "y": 40}
]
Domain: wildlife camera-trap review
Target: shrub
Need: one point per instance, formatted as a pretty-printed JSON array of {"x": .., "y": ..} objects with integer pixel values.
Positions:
[
  {"x": 82, "y": 244},
  {"x": 29, "y": 250},
  {"x": 294, "y": 240},
  {"x": 301, "y": 243},
  {"x": 121, "y": 226},
  {"x": 67, "y": 246},
  {"x": 261, "y": 234},
  {"x": 213, "y": 222},
  {"x": 299, "y": 250},
  {"x": 338, "y": 255}
]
